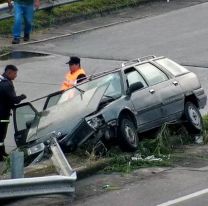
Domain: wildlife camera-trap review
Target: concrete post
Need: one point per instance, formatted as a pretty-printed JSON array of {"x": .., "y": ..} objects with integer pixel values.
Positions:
[{"x": 17, "y": 165}]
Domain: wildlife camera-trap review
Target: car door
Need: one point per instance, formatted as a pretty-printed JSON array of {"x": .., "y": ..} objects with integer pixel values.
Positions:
[
  {"x": 168, "y": 89},
  {"x": 24, "y": 115},
  {"x": 145, "y": 101}
]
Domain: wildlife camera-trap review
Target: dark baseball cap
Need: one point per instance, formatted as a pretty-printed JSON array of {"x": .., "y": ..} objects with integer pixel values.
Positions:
[{"x": 73, "y": 60}]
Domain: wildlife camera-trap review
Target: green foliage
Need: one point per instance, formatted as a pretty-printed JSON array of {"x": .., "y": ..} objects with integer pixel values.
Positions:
[
  {"x": 122, "y": 162},
  {"x": 4, "y": 50},
  {"x": 205, "y": 121},
  {"x": 62, "y": 14},
  {"x": 205, "y": 131},
  {"x": 152, "y": 152},
  {"x": 6, "y": 26},
  {"x": 166, "y": 140},
  {"x": 6, "y": 165}
]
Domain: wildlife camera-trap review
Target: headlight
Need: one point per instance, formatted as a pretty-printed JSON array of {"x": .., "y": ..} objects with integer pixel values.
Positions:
[
  {"x": 36, "y": 149},
  {"x": 96, "y": 122}
]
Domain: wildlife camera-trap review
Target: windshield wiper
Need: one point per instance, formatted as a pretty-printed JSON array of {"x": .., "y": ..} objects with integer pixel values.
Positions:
[
  {"x": 109, "y": 97},
  {"x": 80, "y": 90}
]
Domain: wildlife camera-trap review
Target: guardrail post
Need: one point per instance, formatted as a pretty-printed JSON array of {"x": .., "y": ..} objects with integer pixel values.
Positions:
[
  {"x": 59, "y": 160},
  {"x": 17, "y": 165}
]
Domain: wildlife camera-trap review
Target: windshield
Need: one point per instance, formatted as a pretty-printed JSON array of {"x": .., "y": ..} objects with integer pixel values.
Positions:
[{"x": 113, "y": 80}]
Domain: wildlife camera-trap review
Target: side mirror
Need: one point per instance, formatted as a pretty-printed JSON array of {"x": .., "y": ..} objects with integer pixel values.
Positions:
[{"x": 134, "y": 87}]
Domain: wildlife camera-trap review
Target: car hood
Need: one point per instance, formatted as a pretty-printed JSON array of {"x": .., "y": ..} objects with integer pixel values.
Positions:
[{"x": 63, "y": 118}]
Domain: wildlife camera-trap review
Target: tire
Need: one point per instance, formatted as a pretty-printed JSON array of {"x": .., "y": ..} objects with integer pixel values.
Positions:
[
  {"x": 194, "y": 123},
  {"x": 128, "y": 138}
]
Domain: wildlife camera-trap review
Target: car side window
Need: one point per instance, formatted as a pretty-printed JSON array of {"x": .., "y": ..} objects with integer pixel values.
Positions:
[
  {"x": 151, "y": 73},
  {"x": 133, "y": 76}
]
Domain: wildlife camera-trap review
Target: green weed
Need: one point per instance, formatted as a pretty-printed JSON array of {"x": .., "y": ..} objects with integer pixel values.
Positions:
[
  {"x": 5, "y": 50},
  {"x": 152, "y": 152},
  {"x": 205, "y": 131},
  {"x": 6, "y": 165},
  {"x": 65, "y": 13}
]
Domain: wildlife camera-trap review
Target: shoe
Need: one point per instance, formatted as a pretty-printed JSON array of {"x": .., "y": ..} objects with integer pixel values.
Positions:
[
  {"x": 15, "y": 41},
  {"x": 26, "y": 37}
]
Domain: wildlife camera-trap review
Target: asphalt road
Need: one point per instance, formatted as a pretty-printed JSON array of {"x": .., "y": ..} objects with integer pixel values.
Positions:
[
  {"x": 157, "y": 190},
  {"x": 180, "y": 35},
  {"x": 147, "y": 187}
]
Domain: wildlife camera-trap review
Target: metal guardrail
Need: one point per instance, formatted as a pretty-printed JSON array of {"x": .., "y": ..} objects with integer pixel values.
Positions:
[
  {"x": 5, "y": 13},
  {"x": 57, "y": 184},
  {"x": 24, "y": 187}
]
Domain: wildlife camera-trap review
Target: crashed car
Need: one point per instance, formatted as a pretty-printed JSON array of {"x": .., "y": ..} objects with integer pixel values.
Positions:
[{"x": 115, "y": 105}]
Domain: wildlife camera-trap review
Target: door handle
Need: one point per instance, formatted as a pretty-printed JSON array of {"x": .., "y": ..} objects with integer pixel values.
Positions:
[
  {"x": 175, "y": 83},
  {"x": 152, "y": 91}
]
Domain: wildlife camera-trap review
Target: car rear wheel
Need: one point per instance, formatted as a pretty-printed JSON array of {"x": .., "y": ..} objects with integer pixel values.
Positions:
[
  {"x": 128, "y": 138},
  {"x": 194, "y": 123}
]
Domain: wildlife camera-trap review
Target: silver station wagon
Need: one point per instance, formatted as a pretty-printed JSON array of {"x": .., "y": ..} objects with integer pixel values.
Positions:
[{"x": 114, "y": 105}]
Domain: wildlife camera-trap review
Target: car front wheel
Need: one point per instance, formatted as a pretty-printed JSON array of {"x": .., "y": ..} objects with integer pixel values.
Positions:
[
  {"x": 128, "y": 138},
  {"x": 193, "y": 118}
]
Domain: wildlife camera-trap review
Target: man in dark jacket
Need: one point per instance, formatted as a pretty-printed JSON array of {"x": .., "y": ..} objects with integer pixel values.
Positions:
[{"x": 8, "y": 99}]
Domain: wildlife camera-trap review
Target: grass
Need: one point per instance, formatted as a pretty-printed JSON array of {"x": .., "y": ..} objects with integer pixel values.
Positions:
[
  {"x": 65, "y": 13},
  {"x": 205, "y": 131},
  {"x": 6, "y": 166},
  {"x": 125, "y": 163},
  {"x": 4, "y": 50},
  {"x": 162, "y": 148}
]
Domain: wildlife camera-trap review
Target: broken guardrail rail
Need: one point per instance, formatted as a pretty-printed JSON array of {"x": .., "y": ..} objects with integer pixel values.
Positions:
[
  {"x": 5, "y": 13},
  {"x": 56, "y": 184}
]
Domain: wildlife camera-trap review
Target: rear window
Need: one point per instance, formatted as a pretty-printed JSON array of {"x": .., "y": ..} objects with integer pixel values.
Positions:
[{"x": 172, "y": 66}]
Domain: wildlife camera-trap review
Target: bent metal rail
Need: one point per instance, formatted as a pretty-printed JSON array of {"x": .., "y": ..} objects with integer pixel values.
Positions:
[{"x": 5, "y": 13}]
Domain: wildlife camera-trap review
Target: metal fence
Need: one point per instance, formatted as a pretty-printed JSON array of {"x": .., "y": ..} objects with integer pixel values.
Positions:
[
  {"x": 56, "y": 184},
  {"x": 24, "y": 187},
  {"x": 5, "y": 13}
]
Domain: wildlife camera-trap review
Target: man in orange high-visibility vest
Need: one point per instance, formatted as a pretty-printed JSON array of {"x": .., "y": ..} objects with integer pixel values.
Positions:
[{"x": 75, "y": 74}]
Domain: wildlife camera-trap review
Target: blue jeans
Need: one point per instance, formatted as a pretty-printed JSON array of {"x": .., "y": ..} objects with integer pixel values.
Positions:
[{"x": 25, "y": 11}]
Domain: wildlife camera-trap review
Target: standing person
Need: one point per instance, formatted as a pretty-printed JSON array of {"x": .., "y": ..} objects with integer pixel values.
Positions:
[
  {"x": 75, "y": 74},
  {"x": 7, "y": 100},
  {"x": 25, "y": 9}
]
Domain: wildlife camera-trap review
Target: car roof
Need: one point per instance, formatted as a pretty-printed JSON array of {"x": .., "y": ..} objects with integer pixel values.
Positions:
[
  {"x": 125, "y": 65},
  {"x": 140, "y": 60}
]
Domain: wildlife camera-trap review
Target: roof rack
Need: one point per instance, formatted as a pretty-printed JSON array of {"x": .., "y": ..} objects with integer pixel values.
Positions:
[
  {"x": 101, "y": 73},
  {"x": 145, "y": 58}
]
